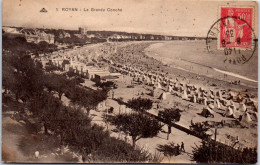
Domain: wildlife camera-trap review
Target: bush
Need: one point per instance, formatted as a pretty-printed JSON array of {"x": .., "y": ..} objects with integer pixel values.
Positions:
[
  {"x": 169, "y": 150},
  {"x": 211, "y": 152},
  {"x": 140, "y": 104},
  {"x": 115, "y": 150},
  {"x": 136, "y": 125}
]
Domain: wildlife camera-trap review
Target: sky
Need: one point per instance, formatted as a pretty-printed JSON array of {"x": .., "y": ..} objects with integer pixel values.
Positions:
[{"x": 167, "y": 17}]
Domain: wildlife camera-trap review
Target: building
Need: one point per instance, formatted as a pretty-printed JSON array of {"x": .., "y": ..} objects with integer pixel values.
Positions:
[
  {"x": 10, "y": 30},
  {"x": 168, "y": 38},
  {"x": 64, "y": 35},
  {"x": 35, "y": 36},
  {"x": 83, "y": 30}
]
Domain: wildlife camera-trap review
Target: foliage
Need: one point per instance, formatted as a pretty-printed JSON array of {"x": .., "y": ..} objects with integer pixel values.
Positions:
[
  {"x": 120, "y": 101},
  {"x": 88, "y": 98},
  {"x": 28, "y": 76},
  {"x": 170, "y": 116},
  {"x": 57, "y": 83},
  {"x": 211, "y": 152},
  {"x": 106, "y": 85},
  {"x": 51, "y": 68},
  {"x": 76, "y": 130},
  {"x": 70, "y": 74},
  {"x": 73, "y": 40},
  {"x": 77, "y": 80},
  {"x": 115, "y": 150},
  {"x": 200, "y": 129},
  {"x": 25, "y": 78},
  {"x": 140, "y": 104},
  {"x": 8, "y": 76},
  {"x": 136, "y": 125},
  {"x": 19, "y": 44},
  {"x": 168, "y": 150}
]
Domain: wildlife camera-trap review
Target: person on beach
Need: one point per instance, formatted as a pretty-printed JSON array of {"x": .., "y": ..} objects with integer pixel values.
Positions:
[
  {"x": 178, "y": 149},
  {"x": 182, "y": 147}
]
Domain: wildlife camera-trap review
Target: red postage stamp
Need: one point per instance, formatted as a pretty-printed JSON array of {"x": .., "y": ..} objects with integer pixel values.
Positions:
[{"x": 236, "y": 28}]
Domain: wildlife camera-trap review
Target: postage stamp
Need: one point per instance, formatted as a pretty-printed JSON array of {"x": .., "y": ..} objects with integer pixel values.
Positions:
[
  {"x": 232, "y": 35},
  {"x": 235, "y": 30}
]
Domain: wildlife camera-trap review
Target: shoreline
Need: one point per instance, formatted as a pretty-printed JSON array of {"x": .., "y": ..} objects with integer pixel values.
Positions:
[{"x": 211, "y": 71}]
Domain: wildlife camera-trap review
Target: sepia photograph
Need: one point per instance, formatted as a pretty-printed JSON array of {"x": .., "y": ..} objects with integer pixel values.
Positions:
[{"x": 130, "y": 81}]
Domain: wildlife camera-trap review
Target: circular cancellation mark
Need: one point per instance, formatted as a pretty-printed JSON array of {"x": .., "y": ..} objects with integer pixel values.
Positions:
[{"x": 233, "y": 39}]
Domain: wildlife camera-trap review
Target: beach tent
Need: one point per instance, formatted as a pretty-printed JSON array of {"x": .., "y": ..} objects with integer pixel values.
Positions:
[
  {"x": 242, "y": 107},
  {"x": 233, "y": 107},
  {"x": 177, "y": 85},
  {"x": 228, "y": 102},
  {"x": 194, "y": 99},
  {"x": 164, "y": 82},
  {"x": 246, "y": 118},
  {"x": 208, "y": 93},
  {"x": 212, "y": 96},
  {"x": 255, "y": 104},
  {"x": 229, "y": 112},
  {"x": 206, "y": 112},
  {"x": 204, "y": 94},
  {"x": 232, "y": 93},
  {"x": 212, "y": 92},
  {"x": 181, "y": 89},
  {"x": 188, "y": 89},
  {"x": 148, "y": 81},
  {"x": 217, "y": 103},
  {"x": 172, "y": 81},
  {"x": 159, "y": 86},
  {"x": 255, "y": 115},
  {"x": 220, "y": 94},
  {"x": 163, "y": 96},
  {"x": 232, "y": 102},
  {"x": 169, "y": 88},
  {"x": 185, "y": 96},
  {"x": 199, "y": 95},
  {"x": 211, "y": 106},
  {"x": 205, "y": 101}
]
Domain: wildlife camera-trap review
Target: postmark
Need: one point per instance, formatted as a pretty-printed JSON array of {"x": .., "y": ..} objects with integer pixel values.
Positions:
[
  {"x": 232, "y": 36},
  {"x": 235, "y": 31}
]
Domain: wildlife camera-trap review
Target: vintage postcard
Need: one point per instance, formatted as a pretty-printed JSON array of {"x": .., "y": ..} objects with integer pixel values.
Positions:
[{"x": 129, "y": 81}]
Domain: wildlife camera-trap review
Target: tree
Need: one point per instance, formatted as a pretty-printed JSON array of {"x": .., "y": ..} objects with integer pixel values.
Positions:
[
  {"x": 58, "y": 83},
  {"x": 212, "y": 152},
  {"x": 28, "y": 74},
  {"x": 88, "y": 98},
  {"x": 77, "y": 80},
  {"x": 136, "y": 125},
  {"x": 120, "y": 102},
  {"x": 115, "y": 150},
  {"x": 46, "y": 108},
  {"x": 168, "y": 150},
  {"x": 70, "y": 73},
  {"x": 77, "y": 131},
  {"x": 140, "y": 104},
  {"x": 200, "y": 129},
  {"x": 9, "y": 78},
  {"x": 170, "y": 116},
  {"x": 51, "y": 68},
  {"x": 106, "y": 85}
]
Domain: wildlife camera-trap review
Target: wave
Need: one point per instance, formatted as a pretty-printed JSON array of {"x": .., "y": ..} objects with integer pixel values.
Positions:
[{"x": 234, "y": 75}]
